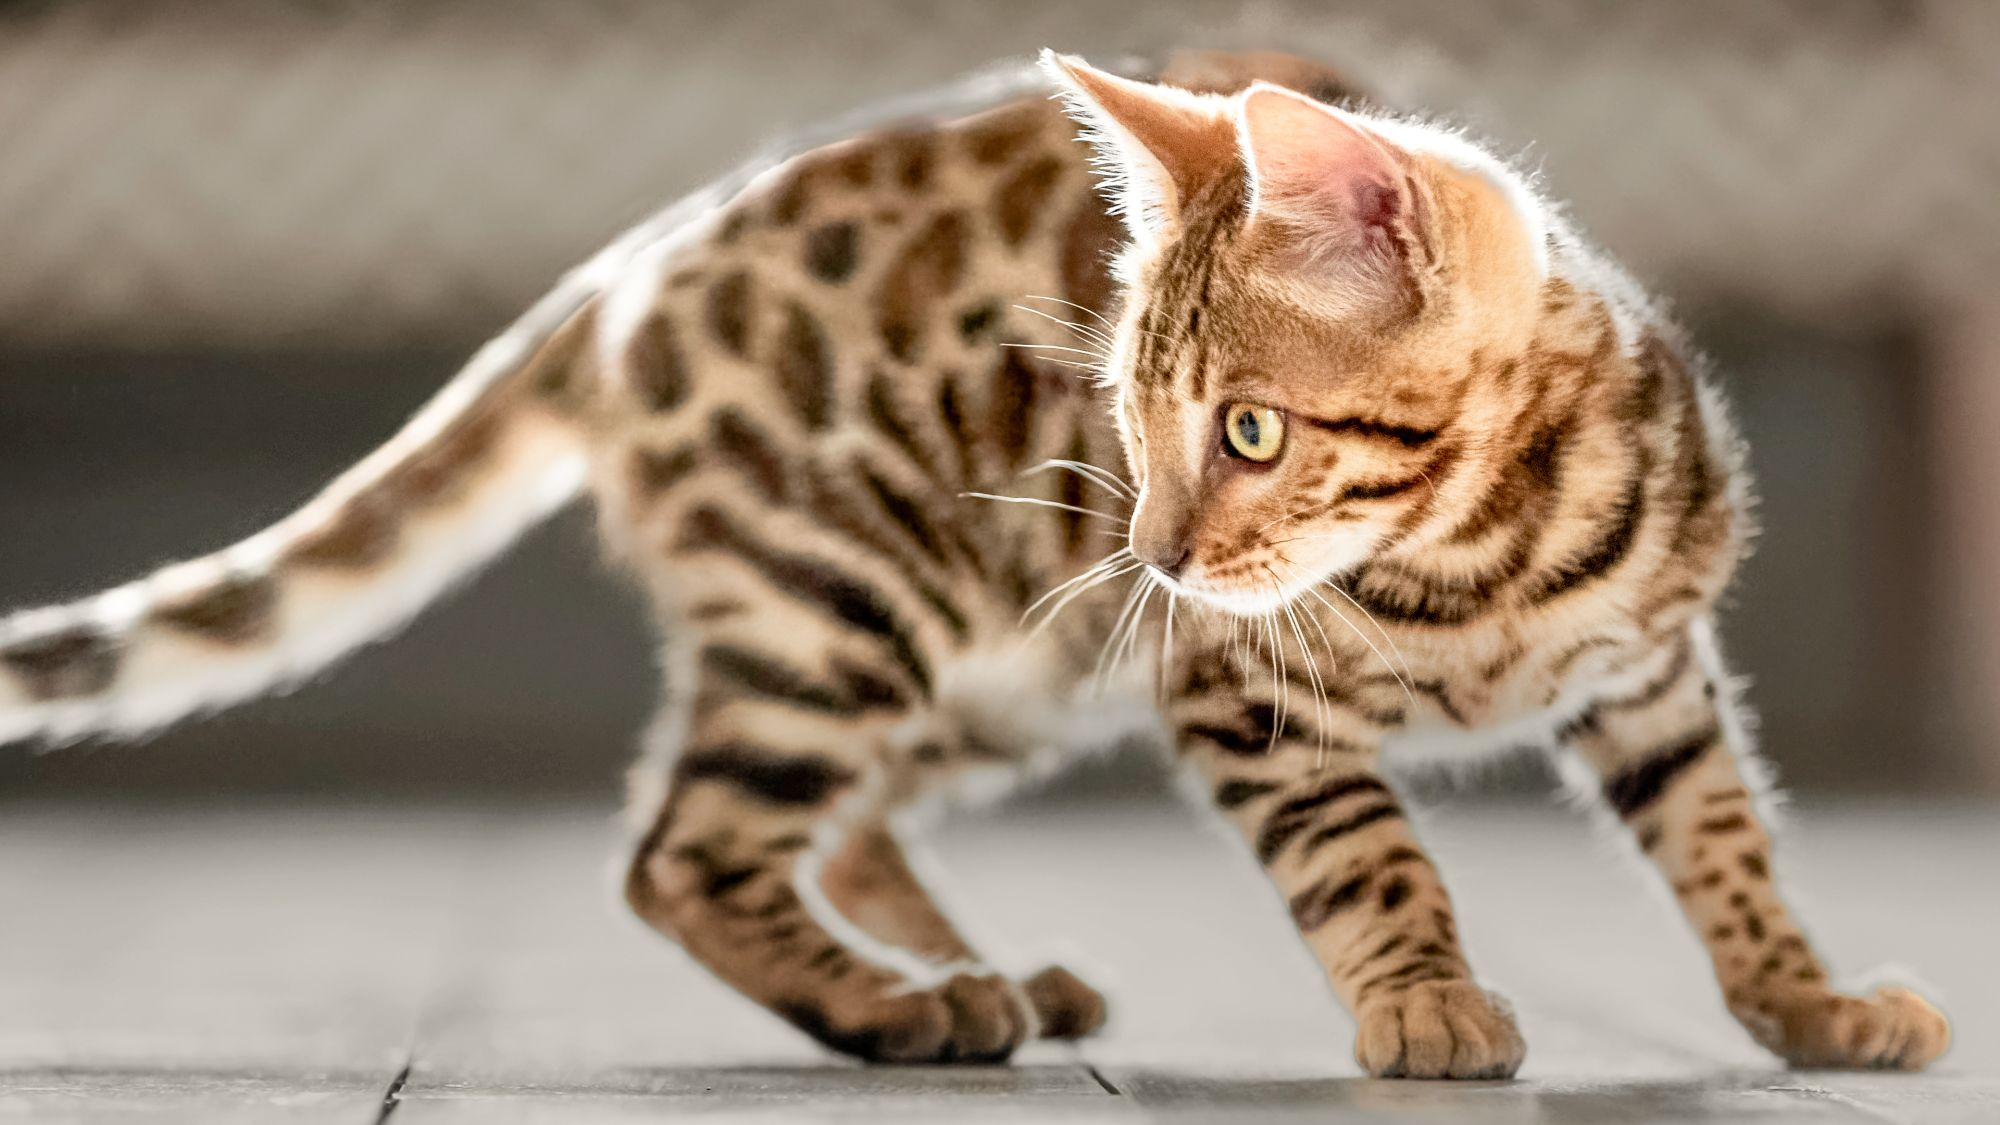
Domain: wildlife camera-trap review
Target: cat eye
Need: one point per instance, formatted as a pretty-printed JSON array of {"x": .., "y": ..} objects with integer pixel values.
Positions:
[{"x": 1252, "y": 432}]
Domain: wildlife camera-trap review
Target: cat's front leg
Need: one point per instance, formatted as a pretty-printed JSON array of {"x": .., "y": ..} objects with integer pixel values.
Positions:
[
  {"x": 1664, "y": 757},
  {"x": 1301, "y": 783}
]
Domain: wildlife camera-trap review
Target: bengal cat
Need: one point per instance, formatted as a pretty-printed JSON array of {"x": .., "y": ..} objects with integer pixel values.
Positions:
[{"x": 1401, "y": 464}]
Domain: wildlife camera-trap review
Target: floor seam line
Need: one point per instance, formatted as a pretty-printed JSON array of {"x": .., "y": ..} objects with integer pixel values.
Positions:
[
  {"x": 393, "y": 1096},
  {"x": 1103, "y": 1081}
]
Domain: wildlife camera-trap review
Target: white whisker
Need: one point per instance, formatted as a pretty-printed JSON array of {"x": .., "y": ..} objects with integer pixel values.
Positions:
[
  {"x": 1391, "y": 668},
  {"x": 1038, "y": 501},
  {"x": 1312, "y": 672},
  {"x": 1088, "y": 471},
  {"x": 1077, "y": 592},
  {"x": 1085, "y": 331},
  {"x": 1386, "y": 635},
  {"x": 1084, "y": 309},
  {"x": 1098, "y": 357}
]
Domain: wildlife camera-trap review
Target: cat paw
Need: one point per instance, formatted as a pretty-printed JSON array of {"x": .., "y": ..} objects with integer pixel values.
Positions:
[
  {"x": 1066, "y": 1007},
  {"x": 967, "y": 1019},
  {"x": 1891, "y": 1029},
  {"x": 1438, "y": 1029}
]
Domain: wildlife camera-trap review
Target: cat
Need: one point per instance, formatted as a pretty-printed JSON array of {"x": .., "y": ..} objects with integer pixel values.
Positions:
[{"x": 1401, "y": 466}]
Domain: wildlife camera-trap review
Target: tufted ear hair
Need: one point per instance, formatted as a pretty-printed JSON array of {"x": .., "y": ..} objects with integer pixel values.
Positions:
[
  {"x": 1156, "y": 145},
  {"x": 1344, "y": 195}
]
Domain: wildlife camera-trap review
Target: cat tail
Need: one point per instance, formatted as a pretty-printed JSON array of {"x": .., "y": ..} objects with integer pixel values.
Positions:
[{"x": 496, "y": 451}]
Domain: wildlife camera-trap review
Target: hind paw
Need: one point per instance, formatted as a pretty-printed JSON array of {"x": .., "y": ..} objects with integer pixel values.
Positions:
[{"x": 1066, "y": 1007}]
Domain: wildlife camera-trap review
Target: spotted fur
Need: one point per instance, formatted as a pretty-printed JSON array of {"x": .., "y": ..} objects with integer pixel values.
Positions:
[{"x": 867, "y": 425}]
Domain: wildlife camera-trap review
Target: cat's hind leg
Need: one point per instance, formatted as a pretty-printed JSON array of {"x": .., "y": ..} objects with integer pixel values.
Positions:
[
  {"x": 870, "y": 881},
  {"x": 728, "y": 870}
]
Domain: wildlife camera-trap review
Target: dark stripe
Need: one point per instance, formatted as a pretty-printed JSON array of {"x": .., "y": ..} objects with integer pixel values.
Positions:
[
  {"x": 1070, "y": 491},
  {"x": 887, "y": 415},
  {"x": 1426, "y": 604},
  {"x": 834, "y": 504},
  {"x": 1395, "y": 893},
  {"x": 1276, "y": 833},
  {"x": 1237, "y": 792},
  {"x": 654, "y": 471},
  {"x": 1716, "y": 826},
  {"x": 750, "y": 451},
  {"x": 235, "y": 610},
  {"x": 854, "y": 691},
  {"x": 1230, "y": 739},
  {"x": 1326, "y": 794},
  {"x": 1379, "y": 490},
  {"x": 360, "y": 533},
  {"x": 1632, "y": 790},
  {"x": 1409, "y": 437},
  {"x": 832, "y": 251},
  {"x": 1656, "y": 690},
  {"x": 1352, "y": 824},
  {"x": 71, "y": 662},
  {"x": 656, "y": 365},
  {"x": 1316, "y": 905},
  {"x": 1010, "y": 411},
  {"x": 773, "y": 777},
  {"x": 805, "y": 368},
  {"x": 815, "y": 583},
  {"x": 1610, "y": 548},
  {"x": 728, "y": 313},
  {"x": 957, "y": 426},
  {"x": 906, "y": 514},
  {"x": 1416, "y": 972}
]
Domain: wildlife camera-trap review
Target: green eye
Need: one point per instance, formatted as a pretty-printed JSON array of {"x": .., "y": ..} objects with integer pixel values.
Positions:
[{"x": 1254, "y": 432}]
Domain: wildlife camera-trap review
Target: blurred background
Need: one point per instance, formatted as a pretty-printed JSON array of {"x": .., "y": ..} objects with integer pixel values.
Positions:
[{"x": 240, "y": 240}]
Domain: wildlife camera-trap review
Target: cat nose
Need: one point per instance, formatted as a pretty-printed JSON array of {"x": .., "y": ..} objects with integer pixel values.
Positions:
[{"x": 1168, "y": 558}]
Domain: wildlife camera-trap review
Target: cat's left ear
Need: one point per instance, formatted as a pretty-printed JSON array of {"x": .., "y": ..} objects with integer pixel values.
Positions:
[
  {"x": 1158, "y": 144},
  {"x": 1345, "y": 196}
]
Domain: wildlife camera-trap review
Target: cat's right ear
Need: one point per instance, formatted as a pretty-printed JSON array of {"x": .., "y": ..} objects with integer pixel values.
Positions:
[{"x": 1156, "y": 145}]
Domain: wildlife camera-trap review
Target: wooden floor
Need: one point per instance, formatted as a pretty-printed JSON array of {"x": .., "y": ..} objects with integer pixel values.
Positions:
[{"x": 421, "y": 966}]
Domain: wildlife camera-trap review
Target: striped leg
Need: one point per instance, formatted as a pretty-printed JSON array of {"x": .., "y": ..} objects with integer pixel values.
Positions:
[
  {"x": 869, "y": 880},
  {"x": 729, "y": 870},
  {"x": 1663, "y": 757},
  {"x": 799, "y": 677},
  {"x": 1364, "y": 897}
]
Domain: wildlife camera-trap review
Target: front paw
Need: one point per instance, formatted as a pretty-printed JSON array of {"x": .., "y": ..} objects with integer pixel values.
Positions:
[
  {"x": 1438, "y": 1029},
  {"x": 1892, "y": 1029}
]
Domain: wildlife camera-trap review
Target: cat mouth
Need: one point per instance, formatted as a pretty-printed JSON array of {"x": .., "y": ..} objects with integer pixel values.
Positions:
[{"x": 1243, "y": 601}]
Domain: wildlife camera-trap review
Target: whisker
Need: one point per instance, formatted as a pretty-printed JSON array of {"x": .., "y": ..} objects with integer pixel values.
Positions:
[
  {"x": 1084, "y": 309},
  {"x": 1312, "y": 672},
  {"x": 1135, "y": 602},
  {"x": 1024, "y": 346},
  {"x": 1102, "y": 477},
  {"x": 1400, "y": 680},
  {"x": 1166, "y": 650},
  {"x": 1307, "y": 510},
  {"x": 1386, "y": 635},
  {"x": 1036, "y": 500},
  {"x": 1123, "y": 554},
  {"x": 1095, "y": 578},
  {"x": 1088, "y": 332},
  {"x": 1281, "y": 686}
]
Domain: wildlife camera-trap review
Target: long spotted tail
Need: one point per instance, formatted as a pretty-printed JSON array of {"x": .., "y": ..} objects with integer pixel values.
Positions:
[{"x": 490, "y": 456}]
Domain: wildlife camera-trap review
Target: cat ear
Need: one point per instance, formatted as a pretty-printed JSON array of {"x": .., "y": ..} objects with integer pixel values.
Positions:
[
  {"x": 1341, "y": 194},
  {"x": 1156, "y": 144}
]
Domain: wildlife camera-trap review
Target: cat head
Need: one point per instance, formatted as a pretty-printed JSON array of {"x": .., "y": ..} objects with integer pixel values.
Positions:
[{"x": 1316, "y": 303}]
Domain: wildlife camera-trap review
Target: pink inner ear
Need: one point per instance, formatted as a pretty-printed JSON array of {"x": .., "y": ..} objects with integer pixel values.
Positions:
[{"x": 1312, "y": 167}]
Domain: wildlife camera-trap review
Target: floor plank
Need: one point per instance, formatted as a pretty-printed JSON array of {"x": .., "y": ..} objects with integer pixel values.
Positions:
[{"x": 283, "y": 964}]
